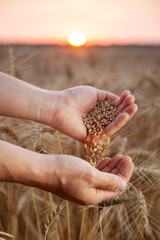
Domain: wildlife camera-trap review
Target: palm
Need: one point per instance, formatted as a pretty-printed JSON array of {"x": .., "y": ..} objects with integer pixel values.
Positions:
[
  {"x": 118, "y": 165},
  {"x": 79, "y": 101}
]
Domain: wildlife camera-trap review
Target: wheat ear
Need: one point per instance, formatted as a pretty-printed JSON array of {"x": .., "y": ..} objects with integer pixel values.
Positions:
[
  {"x": 141, "y": 170},
  {"x": 51, "y": 218},
  {"x": 143, "y": 225}
]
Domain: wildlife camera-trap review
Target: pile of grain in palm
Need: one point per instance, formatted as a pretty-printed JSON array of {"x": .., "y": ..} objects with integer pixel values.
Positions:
[{"x": 95, "y": 121}]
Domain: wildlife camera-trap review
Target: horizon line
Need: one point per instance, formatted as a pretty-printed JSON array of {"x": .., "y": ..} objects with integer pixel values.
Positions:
[
  {"x": 118, "y": 42},
  {"x": 83, "y": 46}
]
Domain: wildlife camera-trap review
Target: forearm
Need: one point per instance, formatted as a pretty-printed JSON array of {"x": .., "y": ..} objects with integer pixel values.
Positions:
[
  {"x": 20, "y": 165},
  {"x": 22, "y": 100}
]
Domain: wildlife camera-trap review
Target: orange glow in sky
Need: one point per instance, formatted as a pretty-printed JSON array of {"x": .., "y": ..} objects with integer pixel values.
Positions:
[{"x": 103, "y": 21}]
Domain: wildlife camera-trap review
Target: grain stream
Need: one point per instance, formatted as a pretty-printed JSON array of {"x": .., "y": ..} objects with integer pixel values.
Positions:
[{"x": 96, "y": 121}]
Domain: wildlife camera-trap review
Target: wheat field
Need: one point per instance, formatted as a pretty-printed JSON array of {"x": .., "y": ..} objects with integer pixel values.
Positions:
[{"x": 32, "y": 214}]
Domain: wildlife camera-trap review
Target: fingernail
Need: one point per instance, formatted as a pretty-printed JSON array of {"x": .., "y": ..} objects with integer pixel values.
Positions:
[{"x": 121, "y": 185}]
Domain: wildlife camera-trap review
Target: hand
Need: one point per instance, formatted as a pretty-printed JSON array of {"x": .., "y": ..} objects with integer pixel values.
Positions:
[
  {"x": 76, "y": 180},
  {"x": 75, "y": 102},
  {"x": 118, "y": 165},
  {"x": 62, "y": 110}
]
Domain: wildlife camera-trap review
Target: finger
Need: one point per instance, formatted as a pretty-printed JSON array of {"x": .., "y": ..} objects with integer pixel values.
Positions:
[
  {"x": 120, "y": 120},
  {"x": 121, "y": 166},
  {"x": 114, "y": 171},
  {"x": 105, "y": 95},
  {"x": 109, "y": 195},
  {"x": 101, "y": 195},
  {"x": 98, "y": 195},
  {"x": 128, "y": 101},
  {"x": 104, "y": 162},
  {"x": 125, "y": 168},
  {"x": 113, "y": 163},
  {"x": 109, "y": 182},
  {"x": 106, "y": 169},
  {"x": 122, "y": 97},
  {"x": 111, "y": 96},
  {"x": 131, "y": 110}
]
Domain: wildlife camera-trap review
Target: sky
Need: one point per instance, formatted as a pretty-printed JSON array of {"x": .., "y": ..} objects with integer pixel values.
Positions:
[{"x": 103, "y": 21}]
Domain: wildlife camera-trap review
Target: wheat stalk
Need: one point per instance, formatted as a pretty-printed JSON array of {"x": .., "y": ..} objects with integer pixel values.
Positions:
[
  {"x": 51, "y": 218},
  {"x": 143, "y": 221},
  {"x": 9, "y": 132},
  {"x": 11, "y": 62},
  {"x": 6, "y": 234},
  {"x": 36, "y": 213},
  {"x": 100, "y": 226},
  {"x": 35, "y": 136},
  {"x": 128, "y": 194},
  {"x": 150, "y": 171},
  {"x": 37, "y": 132}
]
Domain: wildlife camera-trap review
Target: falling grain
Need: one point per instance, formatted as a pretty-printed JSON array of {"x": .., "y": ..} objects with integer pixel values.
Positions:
[{"x": 96, "y": 121}]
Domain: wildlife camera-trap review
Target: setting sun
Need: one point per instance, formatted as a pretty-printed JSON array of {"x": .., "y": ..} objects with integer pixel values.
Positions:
[{"x": 77, "y": 39}]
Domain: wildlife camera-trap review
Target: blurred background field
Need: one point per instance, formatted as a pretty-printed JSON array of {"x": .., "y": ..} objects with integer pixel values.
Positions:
[{"x": 135, "y": 214}]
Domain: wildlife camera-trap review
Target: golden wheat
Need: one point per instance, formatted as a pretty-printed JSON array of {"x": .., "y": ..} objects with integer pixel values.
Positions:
[{"x": 116, "y": 69}]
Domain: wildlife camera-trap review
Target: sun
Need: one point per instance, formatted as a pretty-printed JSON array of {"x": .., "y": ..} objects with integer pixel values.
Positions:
[{"x": 77, "y": 39}]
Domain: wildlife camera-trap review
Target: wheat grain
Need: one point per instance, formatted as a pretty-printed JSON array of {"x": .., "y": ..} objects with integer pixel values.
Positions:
[
  {"x": 47, "y": 130},
  {"x": 113, "y": 201},
  {"x": 100, "y": 117},
  {"x": 41, "y": 149},
  {"x": 128, "y": 194},
  {"x": 35, "y": 136}
]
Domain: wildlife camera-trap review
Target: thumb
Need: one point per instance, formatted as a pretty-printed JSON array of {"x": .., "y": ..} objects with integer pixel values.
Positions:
[{"x": 109, "y": 182}]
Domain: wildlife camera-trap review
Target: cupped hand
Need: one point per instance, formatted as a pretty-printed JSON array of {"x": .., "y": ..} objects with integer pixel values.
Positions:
[
  {"x": 75, "y": 102},
  {"x": 76, "y": 180},
  {"x": 119, "y": 165}
]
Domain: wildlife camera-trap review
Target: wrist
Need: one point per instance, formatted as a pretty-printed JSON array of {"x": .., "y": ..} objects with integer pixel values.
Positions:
[
  {"x": 45, "y": 174},
  {"x": 45, "y": 110}
]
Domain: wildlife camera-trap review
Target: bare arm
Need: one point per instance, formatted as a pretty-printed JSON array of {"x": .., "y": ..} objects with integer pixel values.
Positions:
[
  {"x": 69, "y": 177},
  {"x": 22, "y": 100},
  {"x": 62, "y": 110}
]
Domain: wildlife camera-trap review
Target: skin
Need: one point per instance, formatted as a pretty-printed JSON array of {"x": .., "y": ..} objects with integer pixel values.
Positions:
[{"x": 67, "y": 176}]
